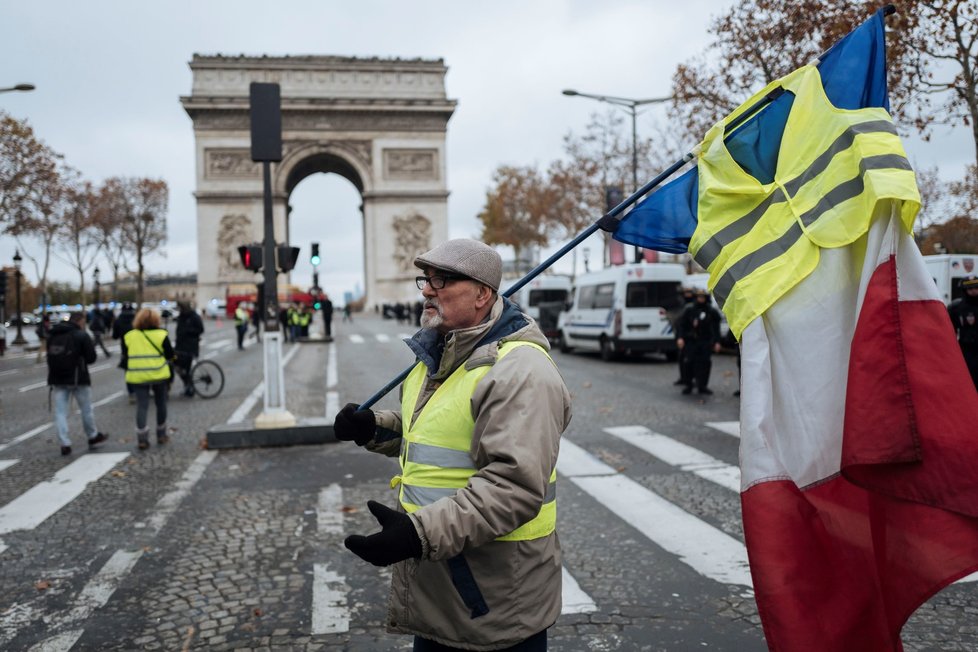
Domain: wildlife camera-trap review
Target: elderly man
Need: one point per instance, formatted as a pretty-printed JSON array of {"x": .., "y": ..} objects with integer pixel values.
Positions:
[{"x": 478, "y": 563}]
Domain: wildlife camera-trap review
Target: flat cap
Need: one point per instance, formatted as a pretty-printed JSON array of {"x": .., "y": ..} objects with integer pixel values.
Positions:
[{"x": 465, "y": 257}]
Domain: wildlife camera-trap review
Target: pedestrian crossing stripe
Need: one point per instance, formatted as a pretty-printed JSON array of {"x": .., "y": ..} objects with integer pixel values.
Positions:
[
  {"x": 707, "y": 550},
  {"x": 35, "y": 505},
  {"x": 6, "y": 464},
  {"x": 731, "y": 428}
]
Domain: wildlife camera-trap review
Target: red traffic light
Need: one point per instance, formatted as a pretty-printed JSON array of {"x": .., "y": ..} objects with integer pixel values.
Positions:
[{"x": 251, "y": 257}]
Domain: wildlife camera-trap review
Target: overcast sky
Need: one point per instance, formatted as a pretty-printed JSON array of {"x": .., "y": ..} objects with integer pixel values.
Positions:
[{"x": 109, "y": 76}]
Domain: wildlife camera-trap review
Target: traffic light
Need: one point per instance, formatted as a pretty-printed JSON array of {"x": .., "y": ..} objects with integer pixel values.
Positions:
[
  {"x": 3, "y": 283},
  {"x": 251, "y": 257},
  {"x": 315, "y": 254},
  {"x": 286, "y": 257}
]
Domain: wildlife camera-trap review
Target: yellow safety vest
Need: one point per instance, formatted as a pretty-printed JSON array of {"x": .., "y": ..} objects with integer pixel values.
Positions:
[
  {"x": 293, "y": 317},
  {"x": 145, "y": 362},
  {"x": 240, "y": 316},
  {"x": 836, "y": 171},
  {"x": 305, "y": 318},
  {"x": 435, "y": 460}
]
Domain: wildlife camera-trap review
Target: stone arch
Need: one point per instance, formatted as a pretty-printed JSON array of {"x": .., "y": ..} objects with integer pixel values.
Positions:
[{"x": 379, "y": 123}]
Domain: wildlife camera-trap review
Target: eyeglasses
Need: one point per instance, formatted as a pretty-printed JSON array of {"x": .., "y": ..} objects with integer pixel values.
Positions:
[{"x": 436, "y": 281}]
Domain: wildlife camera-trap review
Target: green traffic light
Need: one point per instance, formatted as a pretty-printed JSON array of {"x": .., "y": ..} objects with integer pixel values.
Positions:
[
  {"x": 317, "y": 305},
  {"x": 315, "y": 260}
]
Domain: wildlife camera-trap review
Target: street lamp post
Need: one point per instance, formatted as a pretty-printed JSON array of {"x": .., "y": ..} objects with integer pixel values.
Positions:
[
  {"x": 630, "y": 105},
  {"x": 18, "y": 87},
  {"x": 95, "y": 276},
  {"x": 19, "y": 339}
]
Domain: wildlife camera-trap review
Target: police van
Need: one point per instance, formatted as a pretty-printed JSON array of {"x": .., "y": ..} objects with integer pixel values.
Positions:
[
  {"x": 544, "y": 298},
  {"x": 948, "y": 270},
  {"x": 627, "y": 309}
]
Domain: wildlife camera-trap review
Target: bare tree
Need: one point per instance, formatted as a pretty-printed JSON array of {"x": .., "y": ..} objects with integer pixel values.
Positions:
[
  {"x": 24, "y": 162},
  {"x": 46, "y": 205},
  {"x": 144, "y": 224},
  {"x": 759, "y": 41},
  {"x": 77, "y": 241},
  {"x": 110, "y": 214},
  {"x": 945, "y": 64}
]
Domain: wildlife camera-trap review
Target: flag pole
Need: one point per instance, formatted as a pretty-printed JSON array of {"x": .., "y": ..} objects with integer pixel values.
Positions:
[{"x": 609, "y": 221}]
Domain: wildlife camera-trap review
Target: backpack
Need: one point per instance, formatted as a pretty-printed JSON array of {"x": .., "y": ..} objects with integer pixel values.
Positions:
[{"x": 63, "y": 354}]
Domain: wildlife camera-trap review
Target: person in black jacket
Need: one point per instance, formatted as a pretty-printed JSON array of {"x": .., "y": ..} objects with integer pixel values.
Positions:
[
  {"x": 327, "y": 315},
  {"x": 70, "y": 351},
  {"x": 189, "y": 329},
  {"x": 98, "y": 327},
  {"x": 699, "y": 338},
  {"x": 121, "y": 325},
  {"x": 964, "y": 318}
]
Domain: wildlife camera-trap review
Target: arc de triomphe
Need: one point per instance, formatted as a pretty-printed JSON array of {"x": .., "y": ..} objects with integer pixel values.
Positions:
[{"x": 380, "y": 123}]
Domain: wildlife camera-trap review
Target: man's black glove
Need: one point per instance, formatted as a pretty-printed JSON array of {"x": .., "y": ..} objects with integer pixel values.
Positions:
[
  {"x": 397, "y": 541},
  {"x": 350, "y": 425}
]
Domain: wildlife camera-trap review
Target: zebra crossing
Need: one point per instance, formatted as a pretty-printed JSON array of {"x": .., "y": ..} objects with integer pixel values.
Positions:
[{"x": 711, "y": 553}]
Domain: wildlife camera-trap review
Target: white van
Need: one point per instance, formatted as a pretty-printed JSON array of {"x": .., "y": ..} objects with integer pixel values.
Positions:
[
  {"x": 947, "y": 270},
  {"x": 544, "y": 298},
  {"x": 625, "y": 309}
]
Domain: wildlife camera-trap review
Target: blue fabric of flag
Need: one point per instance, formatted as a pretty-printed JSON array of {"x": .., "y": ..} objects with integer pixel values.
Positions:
[{"x": 853, "y": 75}]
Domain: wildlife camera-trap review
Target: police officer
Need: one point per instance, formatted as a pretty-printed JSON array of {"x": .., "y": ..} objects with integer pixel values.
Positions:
[
  {"x": 699, "y": 338},
  {"x": 964, "y": 318}
]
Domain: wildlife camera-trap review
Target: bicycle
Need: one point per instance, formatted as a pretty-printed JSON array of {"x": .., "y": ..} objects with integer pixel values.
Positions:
[{"x": 205, "y": 378}]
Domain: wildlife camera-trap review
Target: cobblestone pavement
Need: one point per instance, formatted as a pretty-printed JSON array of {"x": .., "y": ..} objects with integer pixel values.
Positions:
[{"x": 177, "y": 548}]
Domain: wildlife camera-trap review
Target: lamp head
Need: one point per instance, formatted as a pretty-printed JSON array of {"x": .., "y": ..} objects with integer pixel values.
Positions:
[
  {"x": 569, "y": 92},
  {"x": 17, "y": 259},
  {"x": 24, "y": 87}
]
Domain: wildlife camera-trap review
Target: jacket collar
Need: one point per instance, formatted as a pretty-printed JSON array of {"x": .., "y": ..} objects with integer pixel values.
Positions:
[{"x": 442, "y": 354}]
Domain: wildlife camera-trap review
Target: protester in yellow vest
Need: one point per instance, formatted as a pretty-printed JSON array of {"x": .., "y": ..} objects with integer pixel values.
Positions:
[
  {"x": 241, "y": 318},
  {"x": 477, "y": 436},
  {"x": 146, "y": 352}
]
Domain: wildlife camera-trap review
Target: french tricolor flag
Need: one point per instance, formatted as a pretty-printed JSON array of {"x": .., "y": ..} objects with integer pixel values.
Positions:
[{"x": 859, "y": 451}]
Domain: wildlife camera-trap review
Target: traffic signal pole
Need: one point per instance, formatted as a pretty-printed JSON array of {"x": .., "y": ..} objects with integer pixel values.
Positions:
[{"x": 266, "y": 146}]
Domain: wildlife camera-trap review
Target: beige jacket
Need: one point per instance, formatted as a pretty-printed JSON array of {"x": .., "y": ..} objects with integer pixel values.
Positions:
[{"x": 520, "y": 409}]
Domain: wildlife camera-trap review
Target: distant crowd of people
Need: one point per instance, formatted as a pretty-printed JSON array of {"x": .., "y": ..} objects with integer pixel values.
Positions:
[{"x": 404, "y": 313}]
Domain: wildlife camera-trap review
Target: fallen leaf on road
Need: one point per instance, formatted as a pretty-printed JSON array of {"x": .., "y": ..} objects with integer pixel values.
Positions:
[
  {"x": 346, "y": 509},
  {"x": 42, "y": 585},
  {"x": 119, "y": 474},
  {"x": 256, "y": 612}
]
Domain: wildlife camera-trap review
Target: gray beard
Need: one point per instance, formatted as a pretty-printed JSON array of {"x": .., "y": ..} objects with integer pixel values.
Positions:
[{"x": 434, "y": 321}]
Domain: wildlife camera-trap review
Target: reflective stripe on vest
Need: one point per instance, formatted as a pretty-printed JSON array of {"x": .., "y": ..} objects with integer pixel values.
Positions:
[
  {"x": 144, "y": 363},
  {"x": 836, "y": 171},
  {"x": 435, "y": 460}
]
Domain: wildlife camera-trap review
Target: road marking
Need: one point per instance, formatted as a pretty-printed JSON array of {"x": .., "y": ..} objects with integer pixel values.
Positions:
[
  {"x": 100, "y": 588},
  {"x": 731, "y": 428},
  {"x": 239, "y": 415},
  {"x": 356, "y": 339},
  {"x": 35, "y": 505},
  {"x": 168, "y": 504},
  {"x": 573, "y": 599},
  {"x": 60, "y": 643},
  {"x": 332, "y": 379},
  {"x": 219, "y": 344},
  {"x": 10, "y": 371},
  {"x": 329, "y": 510},
  {"x": 27, "y": 388},
  {"x": 6, "y": 464},
  {"x": 26, "y": 435},
  {"x": 107, "y": 399},
  {"x": 330, "y": 614},
  {"x": 381, "y": 337},
  {"x": 704, "y": 548},
  {"x": 404, "y": 336},
  {"x": 685, "y": 458}
]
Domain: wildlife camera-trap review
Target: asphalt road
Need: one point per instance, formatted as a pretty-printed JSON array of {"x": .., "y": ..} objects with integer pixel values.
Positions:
[{"x": 181, "y": 548}]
